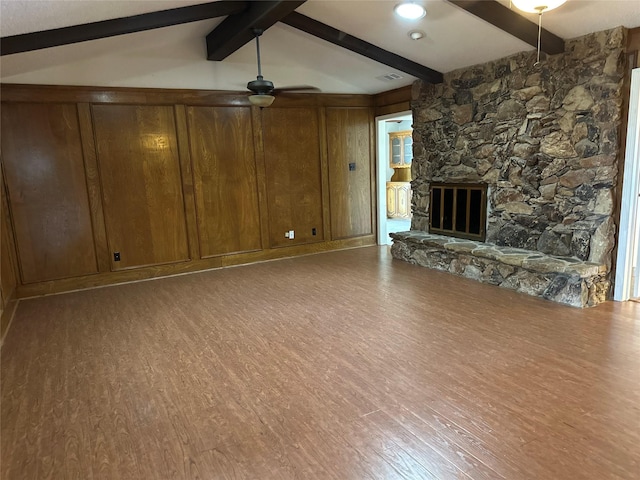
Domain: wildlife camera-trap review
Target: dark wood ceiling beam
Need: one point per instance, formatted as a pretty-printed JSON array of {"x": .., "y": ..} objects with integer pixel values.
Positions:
[
  {"x": 236, "y": 30},
  {"x": 118, "y": 26},
  {"x": 512, "y": 23},
  {"x": 342, "y": 39}
]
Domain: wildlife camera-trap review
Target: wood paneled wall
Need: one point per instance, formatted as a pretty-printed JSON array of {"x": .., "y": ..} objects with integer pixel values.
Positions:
[
  {"x": 176, "y": 181},
  {"x": 45, "y": 175},
  {"x": 633, "y": 46},
  {"x": 393, "y": 101},
  {"x": 294, "y": 174},
  {"x": 349, "y": 131},
  {"x": 8, "y": 278},
  {"x": 139, "y": 166},
  {"x": 224, "y": 172}
]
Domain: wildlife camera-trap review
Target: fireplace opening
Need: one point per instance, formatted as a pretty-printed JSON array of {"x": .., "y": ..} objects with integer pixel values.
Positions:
[{"x": 458, "y": 210}]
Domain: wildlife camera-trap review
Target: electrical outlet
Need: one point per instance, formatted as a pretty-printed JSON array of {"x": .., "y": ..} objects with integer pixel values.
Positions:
[
  {"x": 314, "y": 231},
  {"x": 292, "y": 234},
  {"x": 286, "y": 234},
  {"x": 116, "y": 256}
]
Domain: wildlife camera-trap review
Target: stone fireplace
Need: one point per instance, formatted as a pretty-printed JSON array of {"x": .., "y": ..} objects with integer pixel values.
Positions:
[{"x": 544, "y": 140}]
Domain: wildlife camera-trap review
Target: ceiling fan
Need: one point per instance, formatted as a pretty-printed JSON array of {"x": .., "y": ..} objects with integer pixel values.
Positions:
[{"x": 263, "y": 90}]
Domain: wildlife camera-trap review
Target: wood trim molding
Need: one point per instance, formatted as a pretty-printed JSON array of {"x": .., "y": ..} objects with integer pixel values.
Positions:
[
  {"x": 513, "y": 23},
  {"x": 7, "y": 316},
  {"x": 161, "y": 96},
  {"x": 261, "y": 175},
  {"x": 324, "y": 165},
  {"x": 633, "y": 46},
  {"x": 27, "y": 42},
  {"x": 93, "y": 186},
  {"x": 9, "y": 235},
  {"x": 188, "y": 189},
  {"x": 8, "y": 299},
  {"x": 373, "y": 148}
]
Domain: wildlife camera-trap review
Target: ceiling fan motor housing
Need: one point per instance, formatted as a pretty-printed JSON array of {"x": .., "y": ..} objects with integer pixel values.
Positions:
[{"x": 260, "y": 86}]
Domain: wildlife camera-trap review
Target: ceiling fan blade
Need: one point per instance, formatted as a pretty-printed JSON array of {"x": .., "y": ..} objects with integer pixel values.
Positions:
[{"x": 296, "y": 88}]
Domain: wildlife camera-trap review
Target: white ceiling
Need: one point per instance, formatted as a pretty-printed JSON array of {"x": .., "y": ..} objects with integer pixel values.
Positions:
[{"x": 175, "y": 57}]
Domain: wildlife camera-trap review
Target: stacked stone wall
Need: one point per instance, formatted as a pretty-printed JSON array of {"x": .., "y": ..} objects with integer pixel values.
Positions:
[{"x": 544, "y": 137}]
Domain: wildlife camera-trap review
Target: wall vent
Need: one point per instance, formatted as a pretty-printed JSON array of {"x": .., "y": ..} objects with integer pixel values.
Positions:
[{"x": 389, "y": 77}]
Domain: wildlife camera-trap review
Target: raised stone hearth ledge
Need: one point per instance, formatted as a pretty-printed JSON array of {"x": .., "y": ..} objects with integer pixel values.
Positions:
[{"x": 564, "y": 280}]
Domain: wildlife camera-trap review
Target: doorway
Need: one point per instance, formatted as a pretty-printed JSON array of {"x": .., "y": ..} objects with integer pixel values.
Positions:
[
  {"x": 394, "y": 217},
  {"x": 627, "y": 282}
]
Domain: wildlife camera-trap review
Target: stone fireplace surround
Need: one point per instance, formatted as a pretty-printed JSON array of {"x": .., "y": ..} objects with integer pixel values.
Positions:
[{"x": 544, "y": 138}]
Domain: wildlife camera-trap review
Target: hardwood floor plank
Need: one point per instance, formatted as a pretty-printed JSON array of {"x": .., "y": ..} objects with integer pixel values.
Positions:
[
  {"x": 344, "y": 365},
  {"x": 401, "y": 438},
  {"x": 443, "y": 445}
]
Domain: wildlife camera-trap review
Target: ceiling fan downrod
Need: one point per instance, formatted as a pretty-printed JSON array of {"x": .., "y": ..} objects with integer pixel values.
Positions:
[{"x": 257, "y": 32}]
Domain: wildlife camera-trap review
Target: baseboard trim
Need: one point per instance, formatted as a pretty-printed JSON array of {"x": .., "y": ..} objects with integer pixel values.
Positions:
[
  {"x": 160, "y": 271},
  {"x": 7, "y": 317}
]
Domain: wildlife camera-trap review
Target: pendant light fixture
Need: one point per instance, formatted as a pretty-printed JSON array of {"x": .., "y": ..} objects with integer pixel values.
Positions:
[{"x": 539, "y": 7}]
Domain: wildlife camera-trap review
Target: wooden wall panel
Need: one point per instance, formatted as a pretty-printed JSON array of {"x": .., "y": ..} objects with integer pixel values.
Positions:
[
  {"x": 293, "y": 174},
  {"x": 45, "y": 175},
  {"x": 8, "y": 278},
  {"x": 224, "y": 170},
  {"x": 93, "y": 187},
  {"x": 261, "y": 176},
  {"x": 349, "y": 144},
  {"x": 393, "y": 101},
  {"x": 182, "y": 132},
  {"x": 141, "y": 184}
]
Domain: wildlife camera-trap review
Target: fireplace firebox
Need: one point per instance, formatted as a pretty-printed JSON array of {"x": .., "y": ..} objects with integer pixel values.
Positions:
[{"x": 458, "y": 210}]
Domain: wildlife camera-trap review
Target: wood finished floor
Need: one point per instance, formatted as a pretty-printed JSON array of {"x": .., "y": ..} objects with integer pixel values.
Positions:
[{"x": 345, "y": 365}]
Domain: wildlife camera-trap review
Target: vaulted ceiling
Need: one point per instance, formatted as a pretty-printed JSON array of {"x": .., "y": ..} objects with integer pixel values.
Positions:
[{"x": 303, "y": 42}]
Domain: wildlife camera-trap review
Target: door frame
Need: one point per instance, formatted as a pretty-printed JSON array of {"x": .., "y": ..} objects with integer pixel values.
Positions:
[
  {"x": 629, "y": 232},
  {"x": 382, "y": 159}
]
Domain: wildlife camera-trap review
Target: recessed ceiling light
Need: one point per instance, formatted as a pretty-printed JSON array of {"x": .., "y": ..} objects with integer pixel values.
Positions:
[
  {"x": 410, "y": 10},
  {"x": 416, "y": 34}
]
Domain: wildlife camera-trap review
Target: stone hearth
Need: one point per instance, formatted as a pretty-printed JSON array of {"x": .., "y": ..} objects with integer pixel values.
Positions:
[{"x": 565, "y": 280}]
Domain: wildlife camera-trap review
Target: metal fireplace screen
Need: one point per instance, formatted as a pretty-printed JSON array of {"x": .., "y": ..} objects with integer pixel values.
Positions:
[{"x": 458, "y": 210}]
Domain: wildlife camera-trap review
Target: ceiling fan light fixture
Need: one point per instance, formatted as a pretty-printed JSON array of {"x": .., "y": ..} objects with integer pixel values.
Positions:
[
  {"x": 261, "y": 100},
  {"x": 410, "y": 10},
  {"x": 537, "y": 6}
]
